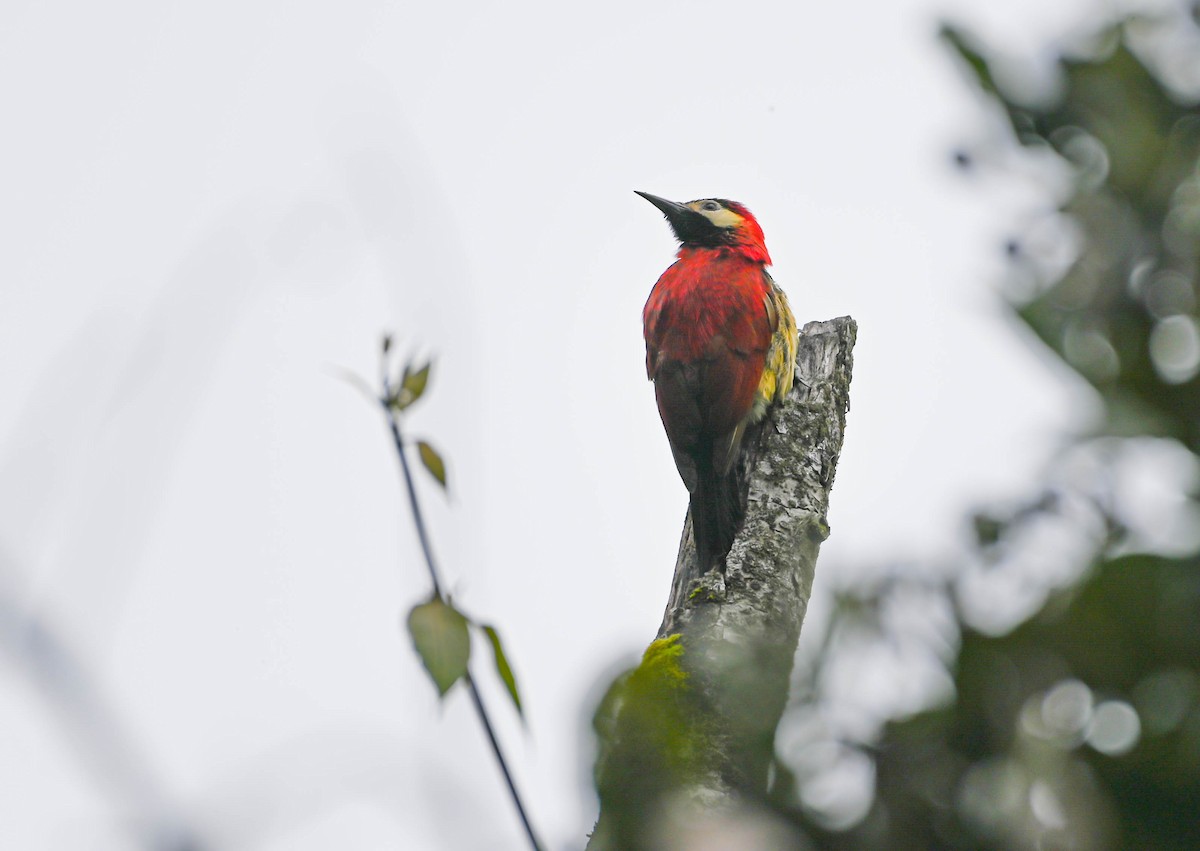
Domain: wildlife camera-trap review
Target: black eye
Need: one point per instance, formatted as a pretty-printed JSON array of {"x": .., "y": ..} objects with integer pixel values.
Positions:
[{"x": 711, "y": 206}]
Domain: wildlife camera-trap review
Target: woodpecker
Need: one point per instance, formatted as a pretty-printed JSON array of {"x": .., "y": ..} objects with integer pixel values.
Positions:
[{"x": 720, "y": 349}]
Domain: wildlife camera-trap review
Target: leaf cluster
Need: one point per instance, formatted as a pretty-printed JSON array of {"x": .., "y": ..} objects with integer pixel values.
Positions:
[{"x": 440, "y": 632}]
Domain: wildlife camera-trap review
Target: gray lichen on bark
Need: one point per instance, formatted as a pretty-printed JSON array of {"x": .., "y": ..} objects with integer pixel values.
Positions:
[{"x": 737, "y": 629}]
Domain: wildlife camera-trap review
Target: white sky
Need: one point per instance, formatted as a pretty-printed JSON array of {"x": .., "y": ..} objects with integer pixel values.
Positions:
[{"x": 205, "y": 207}]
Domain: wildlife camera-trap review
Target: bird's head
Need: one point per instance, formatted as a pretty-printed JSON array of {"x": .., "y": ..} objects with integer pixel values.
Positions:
[{"x": 714, "y": 223}]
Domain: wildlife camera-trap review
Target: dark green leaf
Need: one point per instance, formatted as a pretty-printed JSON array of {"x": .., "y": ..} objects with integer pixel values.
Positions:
[
  {"x": 988, "y": 529},
  {"x": 502, "y": 667},
  {"x": 412, "y": 385},
  {"x": 439, "y": 633},
  {"x": 432, "y": 461},
  {"x": 974, "y": 59}
]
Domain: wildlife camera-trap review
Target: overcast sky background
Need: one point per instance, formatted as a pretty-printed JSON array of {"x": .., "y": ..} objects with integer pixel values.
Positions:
[{"x": 206, "y": 208}]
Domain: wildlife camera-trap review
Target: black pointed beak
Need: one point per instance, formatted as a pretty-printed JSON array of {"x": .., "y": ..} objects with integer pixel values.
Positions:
[{"x": 689, "y": 226}]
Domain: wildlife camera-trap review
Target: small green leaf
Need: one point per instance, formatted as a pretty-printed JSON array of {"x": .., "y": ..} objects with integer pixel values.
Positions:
[
  {"x": 502, "y": 668},
  {"x": 412, "y": 385},
  {"x": 432, "y": 461},
  {"x": 439, "y": 633}
]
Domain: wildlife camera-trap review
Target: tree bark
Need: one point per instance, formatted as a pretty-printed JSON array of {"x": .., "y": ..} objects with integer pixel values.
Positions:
[
  {"x": 735, "y": 631},
  {"x": 742, "y": 627}
]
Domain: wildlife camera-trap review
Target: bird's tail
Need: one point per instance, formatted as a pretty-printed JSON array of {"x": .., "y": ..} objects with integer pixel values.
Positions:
[{"x": 716, "y": 514}]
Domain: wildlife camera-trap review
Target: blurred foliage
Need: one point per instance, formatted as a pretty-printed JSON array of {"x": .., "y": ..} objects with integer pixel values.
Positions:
[
  {"x": 651, "y": 737},
  {"x": 1070, "y": 718}
]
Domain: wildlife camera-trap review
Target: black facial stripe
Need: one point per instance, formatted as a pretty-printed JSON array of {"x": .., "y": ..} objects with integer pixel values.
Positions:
[{"x": 713, "y": 238}]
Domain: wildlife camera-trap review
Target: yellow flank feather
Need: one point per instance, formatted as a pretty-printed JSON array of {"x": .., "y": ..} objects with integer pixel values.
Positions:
[{"x": 780, "y": 370}]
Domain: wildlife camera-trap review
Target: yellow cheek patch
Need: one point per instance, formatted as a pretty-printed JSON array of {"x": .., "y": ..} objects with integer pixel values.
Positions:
[{"x": 722, "y": 218}]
